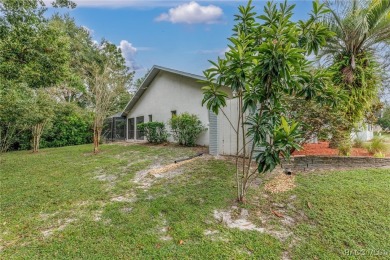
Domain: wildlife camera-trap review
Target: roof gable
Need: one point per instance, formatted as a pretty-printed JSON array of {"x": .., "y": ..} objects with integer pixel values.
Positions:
[{"x": 148, "y": 80}]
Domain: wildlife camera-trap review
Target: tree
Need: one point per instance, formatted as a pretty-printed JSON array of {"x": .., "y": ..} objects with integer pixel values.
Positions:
[
  {"x": 32, "y": 49},
  {"x": 265, "y": 62},
  {"x": 80, "y": 43},
  {"x": 40, "y": 115},
  {"x": 384, "y": 120},
  {"x": 138, "y": 82},
  {"x": 107, "y": 77},
  {"x": 360, "y": 29},
  {"x": 13, "y": 114},
  {"x": 34, "y": 53}
]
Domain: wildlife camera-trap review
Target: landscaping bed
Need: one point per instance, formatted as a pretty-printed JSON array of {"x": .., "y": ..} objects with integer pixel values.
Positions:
[{"x": 322, "y": 148}]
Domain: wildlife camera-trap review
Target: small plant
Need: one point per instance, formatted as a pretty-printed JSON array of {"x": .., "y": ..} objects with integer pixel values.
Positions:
[
  {"x": 186, "y": 128},
  {"x": 155, "y": 132},
  {"x": 377, "y": 145},
  {"x": 345, "y": 148},
  {"x": 379, "y": 155},
  {"x": 358, "y": 143}
]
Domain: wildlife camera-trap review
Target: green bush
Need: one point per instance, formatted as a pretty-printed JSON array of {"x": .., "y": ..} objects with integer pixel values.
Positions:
[
  {"x": 186, "y": 128},
  {"x": 70, "y": 126},
  {"x": 358, "y": 143},
  {"x": 345, "y": 148},
  {"x": 379, "y": 155},
  {"x": 155, "y": 132},
  {"x": 384, "y": 121},
  {"x": 377, "y": 146}
]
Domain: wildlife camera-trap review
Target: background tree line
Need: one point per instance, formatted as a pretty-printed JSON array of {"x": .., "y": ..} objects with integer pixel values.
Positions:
[{"x": 56, "y": 84}]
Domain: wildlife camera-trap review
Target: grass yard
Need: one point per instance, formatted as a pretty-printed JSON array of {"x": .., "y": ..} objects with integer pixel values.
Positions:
[{"x": 67, "y": 203}]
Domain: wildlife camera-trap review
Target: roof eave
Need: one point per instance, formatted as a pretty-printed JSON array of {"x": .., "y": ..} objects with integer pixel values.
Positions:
[{"x": 148, "y": 79}]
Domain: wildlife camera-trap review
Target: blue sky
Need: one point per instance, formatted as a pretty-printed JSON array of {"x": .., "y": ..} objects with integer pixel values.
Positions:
[{"x": 181, "y": 35}]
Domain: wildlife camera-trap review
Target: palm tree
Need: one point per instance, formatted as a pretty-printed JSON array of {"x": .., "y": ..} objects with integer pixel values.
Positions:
[{"x": 361, "y": 36}]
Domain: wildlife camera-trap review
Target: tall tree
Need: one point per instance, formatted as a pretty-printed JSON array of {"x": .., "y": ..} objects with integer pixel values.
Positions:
[
  {"x": 108, "y": 77},
  {"x": 80, "y": 46},
  {"x": 34, "y": 52},
  {"x": 32, "y": 49},
  {"x": 361, "y": 34}
]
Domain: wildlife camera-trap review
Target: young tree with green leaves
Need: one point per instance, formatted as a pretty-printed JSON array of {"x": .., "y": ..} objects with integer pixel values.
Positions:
[
  {"x": 108, "y": 76},
  {"x": 265, "y": 62}
]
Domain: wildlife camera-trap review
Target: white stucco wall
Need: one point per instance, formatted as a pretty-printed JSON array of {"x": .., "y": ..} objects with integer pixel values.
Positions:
[
  {"x": 364, "y": 133},
  {"x": 169, "y": 92}
]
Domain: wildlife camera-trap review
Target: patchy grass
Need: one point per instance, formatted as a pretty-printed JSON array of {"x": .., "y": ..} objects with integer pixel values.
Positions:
[
  {"x": 333, "y": 215},
  {"x": 68, "y": 203}
]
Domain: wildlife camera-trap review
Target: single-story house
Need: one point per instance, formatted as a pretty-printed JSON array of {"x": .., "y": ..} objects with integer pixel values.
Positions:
[{"x": 164, "y": 93}]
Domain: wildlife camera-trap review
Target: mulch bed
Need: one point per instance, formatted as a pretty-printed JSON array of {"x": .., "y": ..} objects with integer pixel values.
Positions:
[
  {"x": 322, "y": 148},
  {"x": 280, "y": 183}
]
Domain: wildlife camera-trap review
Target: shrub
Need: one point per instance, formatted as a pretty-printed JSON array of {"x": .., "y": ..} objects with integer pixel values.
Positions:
[
  {"x": 345, "y": 148},
  {"x": 186, "y": 128},
  {"x": 379, "y": 155},
  {"x": 377, "y": 145},
  {"x": 358, "y": 143},
  {"x": 70, "y": 126},
  {"x": 155, "y": 132}
]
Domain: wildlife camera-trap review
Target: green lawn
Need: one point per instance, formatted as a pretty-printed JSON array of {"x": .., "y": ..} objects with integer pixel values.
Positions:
[{"x": 67, "y": 203}]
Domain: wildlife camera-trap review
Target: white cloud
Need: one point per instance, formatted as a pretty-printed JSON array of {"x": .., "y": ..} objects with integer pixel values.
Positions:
[
  {"x": 192, "y": 13},
  {"x": 129, "y": 52}
]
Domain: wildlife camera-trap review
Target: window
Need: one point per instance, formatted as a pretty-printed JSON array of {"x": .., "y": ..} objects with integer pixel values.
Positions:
[
  {"x": 150, "y": 118},
  {"x": 173, "y": 113}
]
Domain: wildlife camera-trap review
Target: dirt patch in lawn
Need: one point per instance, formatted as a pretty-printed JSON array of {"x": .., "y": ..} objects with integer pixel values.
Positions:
[
  {"x": 62, "y": 224},
  {"x": 236, "y": 218},
  {"x": 280, "y": 183},
  {"x": 145, "y": 178}
]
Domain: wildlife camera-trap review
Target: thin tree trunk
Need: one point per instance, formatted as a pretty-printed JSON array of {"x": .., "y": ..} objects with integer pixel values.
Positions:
[
  {"x": 237, "y": 157},
  {"x": 97, "y": 129},
  {"x": 37, "y": 133},
  {"x": 244, "y": 151}
]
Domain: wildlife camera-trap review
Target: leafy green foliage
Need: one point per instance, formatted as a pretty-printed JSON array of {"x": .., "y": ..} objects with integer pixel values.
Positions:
[
  {"x": 155, "y": 132},
  {"x": 377, "y": 145},
  {"x": 285, "y": 138},
  {"x": 14, "y": 114},
  {"x": 70, "y": 126},
  {"x": 33, "y": 50},
  {"x": 384, "y": 121},
  {"x": 361, "y": 35},
  {"x": 345, "y": 147},
  {"x": 358, "y": 143},
  {"x": 266, "y": 63},
  {"x": 186, "y": 128}
]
